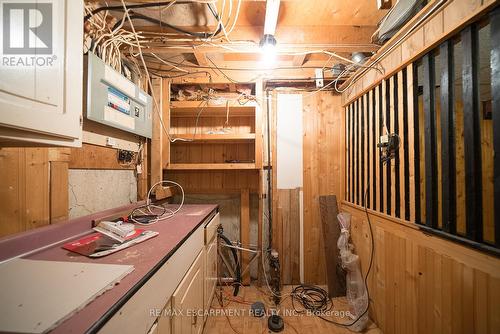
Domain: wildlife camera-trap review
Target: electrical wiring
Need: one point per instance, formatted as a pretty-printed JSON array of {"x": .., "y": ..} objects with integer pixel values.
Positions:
[
  {"x": 146, "y": 5},
  {"x": 156, "y": 107},
  {"x": 150, "y": 213},
  {"x": 168, "y": 63},
  {"x": 315, "y": 299}
]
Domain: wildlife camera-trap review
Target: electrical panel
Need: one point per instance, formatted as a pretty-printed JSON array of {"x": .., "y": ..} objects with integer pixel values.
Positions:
[{"x": 113, "y": 100}]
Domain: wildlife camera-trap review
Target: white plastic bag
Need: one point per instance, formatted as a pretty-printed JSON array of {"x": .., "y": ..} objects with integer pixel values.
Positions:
[{"x": 355, "y": 286}]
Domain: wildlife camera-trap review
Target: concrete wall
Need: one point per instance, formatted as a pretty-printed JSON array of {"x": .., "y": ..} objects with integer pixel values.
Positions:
[{"x": 96, "y": 190}]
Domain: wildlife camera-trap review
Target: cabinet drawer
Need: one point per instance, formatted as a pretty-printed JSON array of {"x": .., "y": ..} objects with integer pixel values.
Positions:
[{"x": 211, "y": 229}]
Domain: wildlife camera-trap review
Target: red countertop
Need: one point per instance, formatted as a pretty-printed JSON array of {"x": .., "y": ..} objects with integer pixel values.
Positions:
[{"x": 146, "y": 258}]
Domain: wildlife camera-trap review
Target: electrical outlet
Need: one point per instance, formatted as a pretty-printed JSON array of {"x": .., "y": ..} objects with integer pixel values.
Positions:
[
  {"x": 319, "y": 77},
  {"x": 110, "y": 141},
  {"x": 125, "y": 156},
  {"x": 384, "y": 139}
]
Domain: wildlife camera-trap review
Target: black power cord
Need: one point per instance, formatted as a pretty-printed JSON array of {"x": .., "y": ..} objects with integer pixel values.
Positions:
[{"x": 316, "y": 300}]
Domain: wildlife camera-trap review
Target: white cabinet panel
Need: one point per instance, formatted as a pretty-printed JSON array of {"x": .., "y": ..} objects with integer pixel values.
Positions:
[
  {"x": 41, "y": 71},
  {"x": 187, "y": 300}
]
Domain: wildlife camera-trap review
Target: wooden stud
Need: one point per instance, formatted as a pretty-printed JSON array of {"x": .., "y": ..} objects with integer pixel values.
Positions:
[
  {"x": 366, "y": 158},
  {"x": 362, "y": 149},
  {"x": 156, "y": 140},
  {"x": 355, "y": 153},
  {"x": 165, "y": 111},
  {"x": 258, "y": 125},
  {"x": 245, "y": 231},
  {"x": 448, "y": 181},
  {"x": 376, "y": 117},
  {"x": 348, "y": 166},
  {"x": 59, "y": 201},
  {"x": 382, "y": 178},
  {"x": 388, "y": 173},
  {"x": 431, "y": 199},
  {"x": 351, "y": 151},
  {"x": 406, "y": 146},
  {"x": 495, "y": 93},
  {"x": 402, "y": 131},
  {"x": 371, "y": 160},
  {"x": 472, "y": 136},
  {"x": 395, "y": 192},
  {"x": 414, "y": 110}
]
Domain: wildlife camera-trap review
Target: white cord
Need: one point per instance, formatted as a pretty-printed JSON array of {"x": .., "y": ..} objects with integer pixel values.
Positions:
[{"x": 166, "y": 213}]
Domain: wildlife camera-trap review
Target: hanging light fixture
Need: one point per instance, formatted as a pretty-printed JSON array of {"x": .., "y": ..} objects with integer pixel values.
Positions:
[{"x": 268, "y": 41}]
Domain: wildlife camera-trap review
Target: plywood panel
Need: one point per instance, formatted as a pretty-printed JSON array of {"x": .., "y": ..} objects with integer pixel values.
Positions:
[
  {"x": 323, "y": 145},
  {"x": 95, "y": 157}
]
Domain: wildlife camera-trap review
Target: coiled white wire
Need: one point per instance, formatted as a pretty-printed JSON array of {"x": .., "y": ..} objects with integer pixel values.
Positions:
[{"x": 166, "y": 213}]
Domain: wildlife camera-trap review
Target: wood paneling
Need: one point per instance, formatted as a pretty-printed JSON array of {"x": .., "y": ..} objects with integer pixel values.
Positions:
[
  {"x": 323, "y": 132},
  {"x": 95, "y": 157},
  {"x": 424, "y": 284},
  {"x": 323, "y": 145},
  {"x": 288, "y": 234},
  {"x": 24, "y": 189}
]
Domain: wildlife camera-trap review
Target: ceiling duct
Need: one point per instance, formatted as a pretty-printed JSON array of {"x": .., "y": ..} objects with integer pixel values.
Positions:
[{"x": 401, "y": 13}]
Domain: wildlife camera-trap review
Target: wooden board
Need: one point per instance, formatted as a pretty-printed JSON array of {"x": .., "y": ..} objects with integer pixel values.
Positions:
[
  {"x": 245, "y": 232},
  {"x": 95, "y": 157},
  {"x": 331, "y": 232},
  {"x": 59, "y": 290}
]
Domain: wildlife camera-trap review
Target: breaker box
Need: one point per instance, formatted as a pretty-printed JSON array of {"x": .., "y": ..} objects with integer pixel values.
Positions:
[{"x": 113, "y": 100}]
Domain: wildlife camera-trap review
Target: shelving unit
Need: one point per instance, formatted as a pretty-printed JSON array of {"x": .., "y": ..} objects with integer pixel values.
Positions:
[
  {"x": 212, "y": 166},
  {"x": 220, "y": 132}
]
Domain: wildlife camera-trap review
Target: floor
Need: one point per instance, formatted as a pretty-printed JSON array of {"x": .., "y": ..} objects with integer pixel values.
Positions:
[{"x": 234, "y": 317}]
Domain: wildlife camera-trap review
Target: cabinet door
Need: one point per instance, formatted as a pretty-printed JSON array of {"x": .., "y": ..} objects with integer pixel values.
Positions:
[
  {"x": 165, "y": 320},
  {"x": 41, "y": 72},
  {"x": 187, "y": 300},
  {"x": 210, "y": 273}
]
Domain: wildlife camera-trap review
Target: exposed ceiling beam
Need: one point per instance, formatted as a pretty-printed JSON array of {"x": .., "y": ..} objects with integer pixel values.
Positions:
[
  {"x": 299, "y": 60},
  {"x": 283, "y": 49},
  {"x": 201, "y": 58},
  {"x": 286, "y": 34}
]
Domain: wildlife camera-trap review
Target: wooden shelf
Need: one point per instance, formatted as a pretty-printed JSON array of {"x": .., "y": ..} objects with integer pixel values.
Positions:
[
  {"x": 206, "y": 166},
  {"x": 219, "y": 138},
  {"x": 192, "y": 108}
]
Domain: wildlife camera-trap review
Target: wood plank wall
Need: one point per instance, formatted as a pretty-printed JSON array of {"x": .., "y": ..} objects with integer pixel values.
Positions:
[
  {"x": 34, "y": 182},
  {"x": 322, "y": 175},
  {"x": 33, "y": 188},
  {"x": 424, "y": 284},
  {"x": 420, "y": 283}
]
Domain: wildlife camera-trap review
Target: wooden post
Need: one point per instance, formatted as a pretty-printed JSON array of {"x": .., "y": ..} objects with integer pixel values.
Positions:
[{"x": 245, "y": 232}]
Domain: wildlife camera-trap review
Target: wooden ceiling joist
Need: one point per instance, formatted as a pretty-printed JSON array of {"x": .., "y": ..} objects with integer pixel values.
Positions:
[
  {"x": 299, "y": 60},
  {"x": 201, "y": 58}
]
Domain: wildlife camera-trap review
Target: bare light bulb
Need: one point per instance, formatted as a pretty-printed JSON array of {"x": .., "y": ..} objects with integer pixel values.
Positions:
[{"x": 268, "y": 50}]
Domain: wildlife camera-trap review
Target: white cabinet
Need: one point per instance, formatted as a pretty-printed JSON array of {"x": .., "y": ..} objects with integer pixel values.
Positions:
[
  {"x": 187, "y": 300},
  {"x": 182, "y": 289},
  {"x": 41, "y": 72},
  {"x": 210, "y": 262}
]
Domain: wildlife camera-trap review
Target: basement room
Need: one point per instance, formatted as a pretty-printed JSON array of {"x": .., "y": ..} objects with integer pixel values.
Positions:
[{"x": 249, "y": 166}]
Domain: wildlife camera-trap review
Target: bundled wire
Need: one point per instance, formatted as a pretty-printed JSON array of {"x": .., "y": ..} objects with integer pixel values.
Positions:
[
  {"x": 312, "y": 298},
  {"x": 149, "y": 213}
]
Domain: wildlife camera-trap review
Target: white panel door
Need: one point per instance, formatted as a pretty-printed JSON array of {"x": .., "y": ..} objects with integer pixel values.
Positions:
[{"x": 41, "y": 70}]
